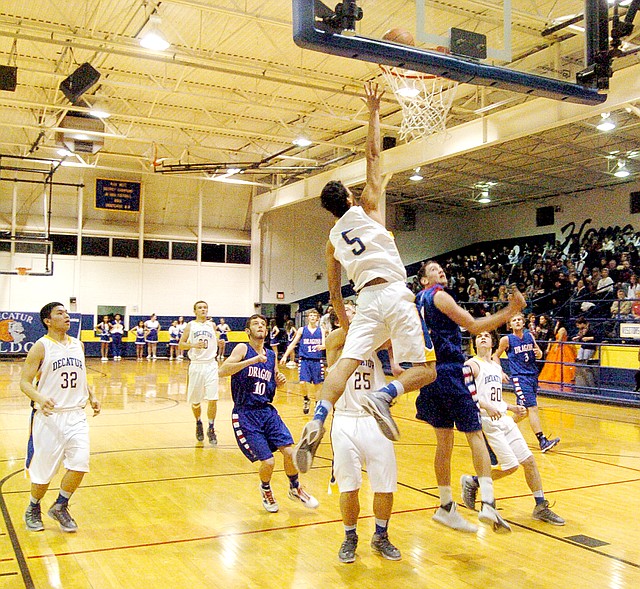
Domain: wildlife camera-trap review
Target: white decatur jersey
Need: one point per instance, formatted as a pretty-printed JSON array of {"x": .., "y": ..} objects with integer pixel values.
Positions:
[
  {"x": 203, "y": 332},
  {"x": 489, "y": 384},
  {"x": 365, "y": 249},
  {"x": 63, "y": 375},
  {"x": 368, "y": 377}
]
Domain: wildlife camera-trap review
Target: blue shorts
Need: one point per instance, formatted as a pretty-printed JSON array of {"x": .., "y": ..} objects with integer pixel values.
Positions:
[
  {"x": 526, "y": 390},
  {"x": 259, "y": 431},
  {"x": 311, "y": 371},
  {"x": 447, "y": 401},
  {"x": 223, "y": 337}
]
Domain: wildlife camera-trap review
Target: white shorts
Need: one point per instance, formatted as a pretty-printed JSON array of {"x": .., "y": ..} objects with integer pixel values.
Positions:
[
  {"x": 61, "y": 438},
  {"x": 202, "y": 382},
  {"x": 357, "y": 442},
  {"x": 506, "y": 441},
  {"x": 386, "y": 311}
]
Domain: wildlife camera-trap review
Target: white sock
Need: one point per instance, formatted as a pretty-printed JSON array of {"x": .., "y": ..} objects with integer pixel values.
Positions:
[
  {"x": 486, "y": 489},
  {"x": 446, "y": 496}
]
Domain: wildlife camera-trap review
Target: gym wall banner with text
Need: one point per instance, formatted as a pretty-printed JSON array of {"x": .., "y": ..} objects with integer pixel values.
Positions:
[{"x": 19, "y": 330}]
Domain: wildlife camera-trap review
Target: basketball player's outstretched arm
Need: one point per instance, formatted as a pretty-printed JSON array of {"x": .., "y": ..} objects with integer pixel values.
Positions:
[
  {"x": 372, "y": 193},
  {"x": 334, "y": 280},
  {"x": 445, "y": 303}
]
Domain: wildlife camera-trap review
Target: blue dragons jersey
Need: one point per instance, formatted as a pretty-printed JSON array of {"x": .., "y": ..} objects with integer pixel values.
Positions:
[
  {"x": 521, "y": 354},
  {"x": 309, "y": 344},
  {"x": 445, "y": 333},
  {"x": 255, "y": 385}
]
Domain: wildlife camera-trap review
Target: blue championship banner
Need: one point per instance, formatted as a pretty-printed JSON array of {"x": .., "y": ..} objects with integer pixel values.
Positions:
[
  {"x": 20, "y": 330},
  {"x": 117, "y": 195}
]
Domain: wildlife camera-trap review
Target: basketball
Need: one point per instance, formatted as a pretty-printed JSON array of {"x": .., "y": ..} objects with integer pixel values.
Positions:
[{"x": 401, "y": 36}]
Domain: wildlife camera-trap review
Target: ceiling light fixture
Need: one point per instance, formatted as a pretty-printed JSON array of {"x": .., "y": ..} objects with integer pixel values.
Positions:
[
  {"x": 302, "y": 141},
  {"x": 416, "y": 177},
  {"x": 99, "y": 114},
  {"x": 152, "y": 36},
  {"x": 606, "y": 124},
  {"x": 408, "y": 92},
  {"x": 621, "y": 171},
  {"x": 484, "y": 196}
]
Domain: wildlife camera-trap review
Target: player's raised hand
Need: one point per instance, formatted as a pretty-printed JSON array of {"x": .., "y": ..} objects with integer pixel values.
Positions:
[
  {"x": 373, "y": 94},
  {"x": 516, "y": 299}
]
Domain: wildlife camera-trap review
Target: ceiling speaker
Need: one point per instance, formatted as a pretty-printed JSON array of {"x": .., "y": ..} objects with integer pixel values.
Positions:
[
  {"x": 79, "y": 82},
  {"x": 8, "y": 78}
]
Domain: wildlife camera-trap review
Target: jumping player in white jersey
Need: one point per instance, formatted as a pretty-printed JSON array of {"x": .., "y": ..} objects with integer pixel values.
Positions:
[
  {"x": 200, "y": 339},
  {"x": 358, "y": 442},
  {"x": 59, "y": 429},
  {"x": 360, "y": 243},
  {"x": 502, "y": 433},
  {"x": 258, "y": 427}
]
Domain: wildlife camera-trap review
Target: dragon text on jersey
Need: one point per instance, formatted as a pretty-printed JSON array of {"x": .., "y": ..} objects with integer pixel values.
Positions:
[{"x": 261, "y": 373}]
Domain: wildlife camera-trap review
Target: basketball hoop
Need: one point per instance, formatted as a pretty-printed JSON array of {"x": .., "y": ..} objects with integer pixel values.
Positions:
[
  {"x": 425, "y": 100},
  {"x": 22, "y": 271}
]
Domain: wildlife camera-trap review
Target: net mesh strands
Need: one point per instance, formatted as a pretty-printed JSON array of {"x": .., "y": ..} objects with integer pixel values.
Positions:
[{"x": 425, "y": 101}]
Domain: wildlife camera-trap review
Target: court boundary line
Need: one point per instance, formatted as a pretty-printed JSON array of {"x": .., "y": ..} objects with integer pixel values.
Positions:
[{"x": 15, "y": 542}]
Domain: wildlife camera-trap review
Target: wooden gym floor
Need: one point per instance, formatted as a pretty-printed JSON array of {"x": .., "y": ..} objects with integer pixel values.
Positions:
[{"x": 161, "y": 510}]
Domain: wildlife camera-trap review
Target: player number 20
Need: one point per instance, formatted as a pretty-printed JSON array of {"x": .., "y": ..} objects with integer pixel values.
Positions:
[
  {"x": 356, "y": 251},
  {"x": 496, "y": 394}
]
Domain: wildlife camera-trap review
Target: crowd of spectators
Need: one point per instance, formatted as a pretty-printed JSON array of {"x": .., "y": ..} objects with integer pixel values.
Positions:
[{"x": 598, "y": 278}]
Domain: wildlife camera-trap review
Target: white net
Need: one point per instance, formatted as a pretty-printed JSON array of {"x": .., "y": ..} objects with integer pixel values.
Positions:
[{"x": 425, "y": 101}]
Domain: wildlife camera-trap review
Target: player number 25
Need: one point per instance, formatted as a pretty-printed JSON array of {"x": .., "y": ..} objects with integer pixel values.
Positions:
[
  {"x": 351, "y": 240},
  {"x": 362, "y": 381}
]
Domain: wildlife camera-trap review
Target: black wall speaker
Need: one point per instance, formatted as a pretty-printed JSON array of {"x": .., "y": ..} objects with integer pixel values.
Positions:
[
  {"x": 634, "y": 202},
  {"x": 405, "y": 218},
  {"x": 545, "y": 216},
  {"x": 8, "y": 78},
  {"x": 79, "y": 82},
  {"x": 388, "y": 142}
]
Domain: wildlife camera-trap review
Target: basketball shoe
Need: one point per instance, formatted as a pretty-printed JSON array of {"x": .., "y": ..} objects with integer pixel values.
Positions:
[
  {"x": 469, "y": 491},
  {"x": 489, "y": 515},
  {"x": 268, "y": 500},
  {"x": 299, "y": 494},
  {"x": 211, "y": 434},
  {"x": 306, "y": 448},
  {"x": 546, "y": 445},
  {"x": 33, "y": 518},
  {"x": 544, "y": 514},
  {"x": 347, "y": 552},
  {"x": 381, "y": 544},
  {"x": 60, "y": 512},
  {"x": 452, "y": 519},
  {"x": 378, "y": 405}
]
